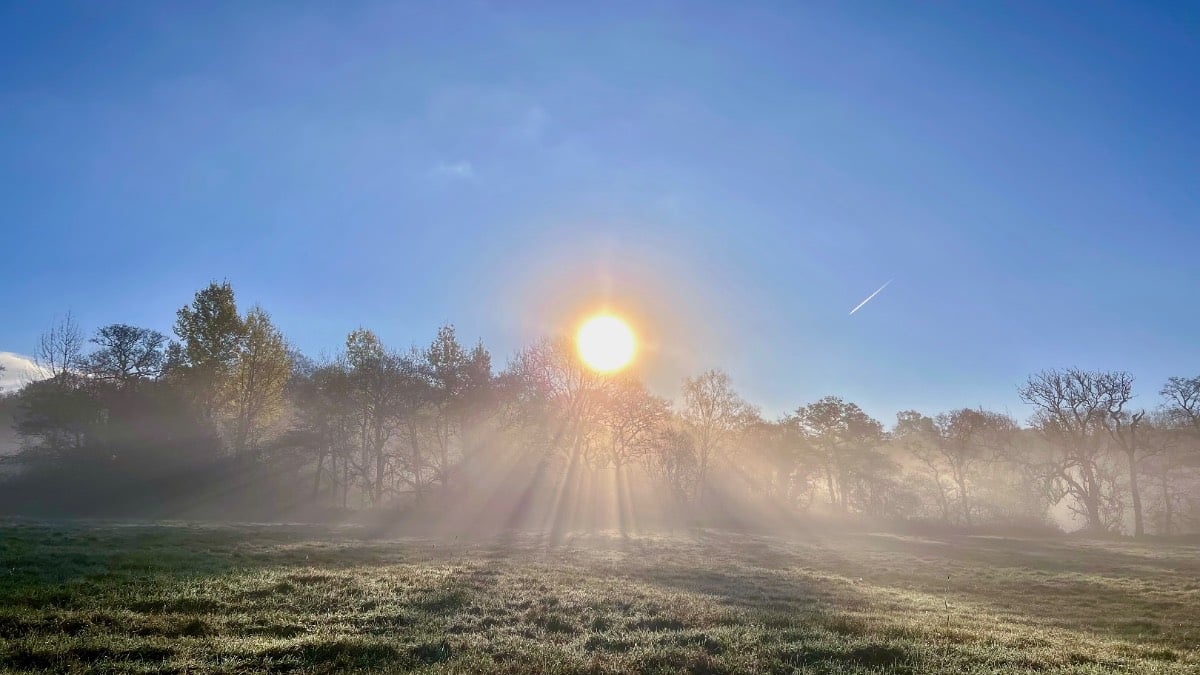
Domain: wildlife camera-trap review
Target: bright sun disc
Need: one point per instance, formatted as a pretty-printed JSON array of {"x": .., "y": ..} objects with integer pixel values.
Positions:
[{"x": 605, "y": 343}]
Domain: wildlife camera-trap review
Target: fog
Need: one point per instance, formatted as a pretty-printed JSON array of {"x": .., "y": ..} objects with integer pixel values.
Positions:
[{"x": 225, "y": 421}]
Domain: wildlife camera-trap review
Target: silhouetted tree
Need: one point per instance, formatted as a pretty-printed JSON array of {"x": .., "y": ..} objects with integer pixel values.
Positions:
[
  {"x": 56, "y": 415},
  {"x": 55, "y": 418},
  {"x": 1181, "y": 401},
  {"x": 126, "y": 354},
  {"x": 324, "y": 426},
  {"x": 1123, "y": 428},
  {"x": 842, "y": 435},
  {"x": 1073, "y": 410},
  {"x": 60, "y": 350}
]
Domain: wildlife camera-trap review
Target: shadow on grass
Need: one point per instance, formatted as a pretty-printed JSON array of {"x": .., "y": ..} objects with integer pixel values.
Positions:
[{"x": 165, "y": 583}]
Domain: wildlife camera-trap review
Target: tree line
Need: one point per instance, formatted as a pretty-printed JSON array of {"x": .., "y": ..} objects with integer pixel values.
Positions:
[{"x": 226, "y": 417}]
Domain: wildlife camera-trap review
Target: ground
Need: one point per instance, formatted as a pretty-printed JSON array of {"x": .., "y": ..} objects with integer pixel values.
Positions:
[{"x": 200, "y": 598}]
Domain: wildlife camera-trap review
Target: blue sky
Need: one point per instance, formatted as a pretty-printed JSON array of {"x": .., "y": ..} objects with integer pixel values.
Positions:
[{"x": 734, "y": 176}]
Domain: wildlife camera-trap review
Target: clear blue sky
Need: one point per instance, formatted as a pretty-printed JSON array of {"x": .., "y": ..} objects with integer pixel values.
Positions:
[{"x": 736, "y": 176}]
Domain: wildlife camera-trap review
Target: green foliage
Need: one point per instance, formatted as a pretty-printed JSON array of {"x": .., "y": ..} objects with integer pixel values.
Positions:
[
  {"x": 259, "y": 378},
  {"x": 375, "y": 427},
  {"x": 211, "y": 331}
]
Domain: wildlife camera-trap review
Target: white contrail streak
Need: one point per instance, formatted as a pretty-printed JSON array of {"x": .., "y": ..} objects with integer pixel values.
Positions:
[{"x": 869, "y": 297}]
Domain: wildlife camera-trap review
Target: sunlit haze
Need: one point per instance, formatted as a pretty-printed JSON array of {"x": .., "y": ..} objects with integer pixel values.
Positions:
[{"x": 600, "y": 337}]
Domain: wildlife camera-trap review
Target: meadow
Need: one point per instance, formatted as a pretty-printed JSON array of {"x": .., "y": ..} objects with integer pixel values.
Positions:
[{"x": 192, "y": 598}]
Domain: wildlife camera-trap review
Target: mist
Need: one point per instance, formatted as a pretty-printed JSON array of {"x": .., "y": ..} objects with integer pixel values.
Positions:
[
  {"x": 599, "y": 338},
  {"x": 225, "y": 421}
]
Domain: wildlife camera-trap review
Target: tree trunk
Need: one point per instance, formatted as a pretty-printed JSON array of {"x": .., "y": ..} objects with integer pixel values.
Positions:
[
  {"x": 829, "y": 485},
  {"x": 380, "y": 461},
  {"x": 317, "y": 478},
  {"x": 701, "y": 477},
  {"x": 417, "y": 464},
  {"x": 345, "y": 482},
  {"x": 1136, "y": 493},
  {"x": 963, "y": 497},
  {"x": 445, "y": 469}
]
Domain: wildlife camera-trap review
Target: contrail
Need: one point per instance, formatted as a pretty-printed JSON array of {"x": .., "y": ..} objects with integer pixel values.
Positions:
[{"x": 860, "y": 305}]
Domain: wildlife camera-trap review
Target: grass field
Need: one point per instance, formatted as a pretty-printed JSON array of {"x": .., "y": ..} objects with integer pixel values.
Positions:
[{"x": 190, "y": 598}]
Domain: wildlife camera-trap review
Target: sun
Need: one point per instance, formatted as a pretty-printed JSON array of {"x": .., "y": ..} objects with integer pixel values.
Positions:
[{"x": 605, "y": 343}]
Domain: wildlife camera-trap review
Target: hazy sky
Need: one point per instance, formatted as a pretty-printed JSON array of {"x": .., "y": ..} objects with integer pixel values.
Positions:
[{"x": 735, "y": 176}]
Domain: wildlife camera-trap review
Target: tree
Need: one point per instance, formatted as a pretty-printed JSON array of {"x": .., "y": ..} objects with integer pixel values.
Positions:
[
  {"x": 552, "y": 390},
  {"x": 843, "y": 437},
  {"x": 777, "y": 459},
  {"x": 387, "y": 391},
  {"x": 257, "y": 380},
  {"x": 917, "y": 434},
  {"x": 1181, "y": 401},
  {"x": 673, "y": 461},
  {"x": 1074, "y": 412},
  {"x": 55, "y": 418},
  {"x": 60, "y": 350},
  {"x": 211, "y": 330},
  {"x": 460, "y": 383},
  {"x": 1123, "y": 427},
  {"x": 325, "y": 425},
  {"x": 1174, "y": 438},
  {"x": 57, "y": 414},
  {"x": 714, "y": 414},
  {"x": 952, "y": 447},
  {"x": 630, "y": 421},
  {"x": 1171, "y": 463},
  {"x": 126, "y": 354}
]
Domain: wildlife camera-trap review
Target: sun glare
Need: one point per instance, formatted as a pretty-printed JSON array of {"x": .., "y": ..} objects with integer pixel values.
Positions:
[{"x": 605, "y": 343}]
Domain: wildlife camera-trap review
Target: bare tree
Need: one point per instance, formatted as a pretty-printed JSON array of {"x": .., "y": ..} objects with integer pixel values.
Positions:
[
  {"x": 1182, "y": 401},
  {"x": 58, "y": 414},
  {"x": 1074, "y": 411},
  {"x": 714, "y": 413},
  {"x": 60, "y": 349},
  {"x": 555, "y": 391},
  {"x": 126, "y": 354},
  {"x": 1123, "y": 427},
  {"x": 630, "y": 420}
]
